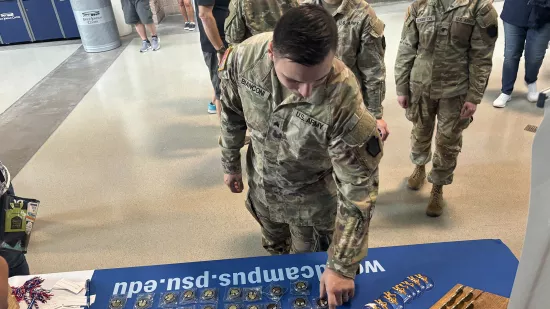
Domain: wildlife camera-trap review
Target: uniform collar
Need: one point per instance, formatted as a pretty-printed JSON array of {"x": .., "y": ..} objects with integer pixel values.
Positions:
[
  {"x": 346, "y": 6},
  {"x": 317, "y": 97},
  {"x": 454, "y": 5}
]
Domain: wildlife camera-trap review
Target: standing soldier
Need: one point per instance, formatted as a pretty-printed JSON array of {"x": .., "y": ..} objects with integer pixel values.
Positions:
[
  {"x": 441, "y": 71},
  {"x": 313, "y": 158},
  {"x": 249, "y": 17},
  {"x": 362, "y": 47}
]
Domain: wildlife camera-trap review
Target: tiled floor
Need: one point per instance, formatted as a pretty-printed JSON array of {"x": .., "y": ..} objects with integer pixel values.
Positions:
[{"x": 133, "y": 176}]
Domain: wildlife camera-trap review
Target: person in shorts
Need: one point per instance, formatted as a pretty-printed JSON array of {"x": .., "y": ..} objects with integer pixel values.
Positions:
[
  {"x": 138, "y": 13},
  {"x": 212, "y": 15}
]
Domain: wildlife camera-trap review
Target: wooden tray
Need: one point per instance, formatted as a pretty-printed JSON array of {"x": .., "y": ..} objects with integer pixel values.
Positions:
[{"x": 479, "y": 299}]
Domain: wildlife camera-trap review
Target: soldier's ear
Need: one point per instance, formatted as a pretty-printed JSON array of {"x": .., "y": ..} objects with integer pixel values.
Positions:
[{"x": 270, "y": 51}]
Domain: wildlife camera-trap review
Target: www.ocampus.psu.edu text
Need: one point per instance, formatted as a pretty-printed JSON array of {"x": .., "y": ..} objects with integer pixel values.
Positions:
[{"x": 256, "y": 276}]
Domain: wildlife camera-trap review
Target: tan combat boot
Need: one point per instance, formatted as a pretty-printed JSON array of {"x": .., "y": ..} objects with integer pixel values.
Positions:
[
  {"x": 435, "y": 206},
  {"x": 417, "y": 178}
]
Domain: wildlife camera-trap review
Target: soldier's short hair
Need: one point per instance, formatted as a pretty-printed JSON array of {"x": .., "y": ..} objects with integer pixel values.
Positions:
[{"x": 305, "y": 34}]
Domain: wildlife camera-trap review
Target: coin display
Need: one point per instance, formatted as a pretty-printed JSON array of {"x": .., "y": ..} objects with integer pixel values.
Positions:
[
  {"x": 143, "y": 303},
  {"x": 116, "y": 303},
  {"x": 322, "y": 303},
  {"x": 188, "y": 295},
  {"x": 232, "y": 306},
  {"x": 208, "y": 307},
  {"x": 208, "y": 294},
  {"x": 169, "y": 298},
  {"x": 252, "y": 295},
  {"x": 253, "y": 307},
  {"x": 277, "y": 291},
  {"x": 300, "y": 286},
  {"x": 272, "y": 306},
  {"x": 300, "y": 302},
  {"x": 234, "y": 293}
]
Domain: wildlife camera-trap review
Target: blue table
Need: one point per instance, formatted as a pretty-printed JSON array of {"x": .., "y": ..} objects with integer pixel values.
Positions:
[{"x": 484, "y": 264}]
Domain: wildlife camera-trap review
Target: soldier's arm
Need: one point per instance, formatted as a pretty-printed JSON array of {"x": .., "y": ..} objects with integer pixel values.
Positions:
[
  {"x": 406, "y": 53},
  {"x": 233, "y": 125},
  {"x": 371, "y": 65},
  {"x": 480, "y": 55},
  {"x": 235, "y": 25},
  {"x": 355, "y": 151}
]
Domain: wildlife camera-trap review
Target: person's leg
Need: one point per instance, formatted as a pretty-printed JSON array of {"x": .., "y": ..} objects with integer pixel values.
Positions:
[
  {"x": 152, "y": 29},
  {"x": 190, "y": 10},
  {"x": 421, "y": 112},
  {"x": 311, "y": 238},
  {"x": 535, "y": 50},
  {"x": 140, "y": 29},
  {"x": 448, "y": 140},
  {"x": 275, "y": 236},
  {"x": 183, "y": 11},
  {"x": 514, "y": 42},
  {"x": 211, "y": 60}
]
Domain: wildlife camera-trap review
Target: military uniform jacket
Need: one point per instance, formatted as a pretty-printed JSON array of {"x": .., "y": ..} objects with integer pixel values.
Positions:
[
  {"x": 297, "y": 143},
  {"x": 250, "y": 17},
  {"x": 446, "y": 52},
  {"x": 361, "y": 46}
]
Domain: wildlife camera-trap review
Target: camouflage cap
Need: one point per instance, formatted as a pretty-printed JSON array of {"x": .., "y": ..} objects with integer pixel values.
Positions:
[{"x": 4, "y": 179}]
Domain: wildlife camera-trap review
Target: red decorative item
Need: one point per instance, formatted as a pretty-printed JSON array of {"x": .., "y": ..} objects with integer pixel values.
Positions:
[{"x": 32, "y": 289}]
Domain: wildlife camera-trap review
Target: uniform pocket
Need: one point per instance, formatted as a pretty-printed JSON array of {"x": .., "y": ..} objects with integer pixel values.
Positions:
[
  {"x": 413, "y": 110},
  {"x": 461, "y": 30}
]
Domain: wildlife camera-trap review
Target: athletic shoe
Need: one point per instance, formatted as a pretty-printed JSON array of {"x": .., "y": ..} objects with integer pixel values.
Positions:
[
  {"x": 186, "y": 27},
  {"x": 192, "y": 26},
  {"x": 211, "y": 108},
  {"x": 532, "y": 93},
  {"x": 502, "y": 99},
  {"x": 145, "y": 46},
  {"x": 155, "y": 43}
]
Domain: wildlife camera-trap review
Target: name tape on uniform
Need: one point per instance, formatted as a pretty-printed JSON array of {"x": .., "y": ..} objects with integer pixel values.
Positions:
[
  {"x": 425, "y": 19},
  {"x": 310, "y": 121},
  {"x": 257, "y": 90}
]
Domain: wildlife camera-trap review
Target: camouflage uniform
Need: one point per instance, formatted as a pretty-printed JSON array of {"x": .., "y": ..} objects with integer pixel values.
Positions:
[
  {"x": 248, "y": 17},
  {"x": 311, "y": 162},
  {"x": 361, "y": 46},
  {"x": 444, "y": 60}
]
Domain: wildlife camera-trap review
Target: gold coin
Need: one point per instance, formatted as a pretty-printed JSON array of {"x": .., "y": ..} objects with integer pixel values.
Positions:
[
  {"x": 116, "y": 303},
  {"x": 169, "y": 297},
  {"x": 234, "y": 292},
  {"x": 232, "y": 307},
  {"x": 253, "y": 307},
  {"x": 143, "y": 303},
  {"x": 208, "y": 307},
  {"x": 301, "y": 285},
  {"x": 187, "y": 295},
  {"x": 322, "y": 303},
  {"x": 252, "y": 295},
  {"x": 208, "y": 294},
  {"x": 277, "y": 291},
  {"x": 299, "y": 303},
  {"x": 272, "y": 306}
]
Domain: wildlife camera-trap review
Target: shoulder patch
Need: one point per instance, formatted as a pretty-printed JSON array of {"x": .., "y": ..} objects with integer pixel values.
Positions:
[
  {"x": 221, "y": 66},
  {"x": 377, "y": 26}
]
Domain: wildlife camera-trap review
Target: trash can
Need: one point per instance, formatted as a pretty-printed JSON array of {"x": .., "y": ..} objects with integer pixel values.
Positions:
[{"x": 96, "y": 24}]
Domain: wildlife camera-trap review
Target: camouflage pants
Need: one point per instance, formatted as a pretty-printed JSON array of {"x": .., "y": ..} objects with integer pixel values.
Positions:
[
  {"x": 281, "y": 238},
  {"x": 423, "y": 112}
]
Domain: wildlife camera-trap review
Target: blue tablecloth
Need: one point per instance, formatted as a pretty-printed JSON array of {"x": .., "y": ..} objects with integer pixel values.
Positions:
[{"x": 484, "y": 264}]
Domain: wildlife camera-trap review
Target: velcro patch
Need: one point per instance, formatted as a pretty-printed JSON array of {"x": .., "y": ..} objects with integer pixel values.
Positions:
[
  {"x": 373, "y": 146},
  {"x": 221, "y": 66},
  {"x": 492, "y": 31},
  {"x": 465, "y": 20},
  {"x": 425, "y": 19}
]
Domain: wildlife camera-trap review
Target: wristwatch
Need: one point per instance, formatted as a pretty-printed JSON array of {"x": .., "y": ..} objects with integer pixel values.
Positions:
[{"x": 222, "y": 50}]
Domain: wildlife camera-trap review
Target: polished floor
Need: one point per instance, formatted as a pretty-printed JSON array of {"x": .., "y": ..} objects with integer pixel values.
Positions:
[{"x": 132, "y": 175}]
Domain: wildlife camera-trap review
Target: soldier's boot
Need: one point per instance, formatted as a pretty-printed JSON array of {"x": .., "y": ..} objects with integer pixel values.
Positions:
[
  {"x": 435, "y": 206},
  {"x": 417, "y": 178}
]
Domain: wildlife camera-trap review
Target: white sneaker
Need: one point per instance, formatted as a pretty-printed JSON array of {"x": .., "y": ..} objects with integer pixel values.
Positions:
[
  {"x": 502, "y": 99},
  {"x": 532, "y": 93}
]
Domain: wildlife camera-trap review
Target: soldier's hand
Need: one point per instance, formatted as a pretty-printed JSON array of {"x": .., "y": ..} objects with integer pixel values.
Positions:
[
  {"x": 383, "y": 129},
  {"x": 336, "y": 288},
  {"x": 234, "y": 182},
  {"x": 468, "y": 110},
  {"x": 403, "y": 100}
]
